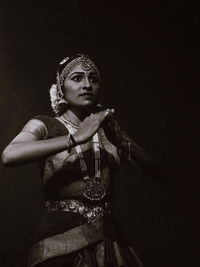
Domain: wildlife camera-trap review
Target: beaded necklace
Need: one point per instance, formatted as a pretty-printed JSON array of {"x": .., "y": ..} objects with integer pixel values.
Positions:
[
  {"x": 94, "y": 189},
  {"x": 67, "y": 120}
]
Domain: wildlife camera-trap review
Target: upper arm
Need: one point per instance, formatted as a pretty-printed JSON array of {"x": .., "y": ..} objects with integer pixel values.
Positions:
[{"x": 32, "y": 131}]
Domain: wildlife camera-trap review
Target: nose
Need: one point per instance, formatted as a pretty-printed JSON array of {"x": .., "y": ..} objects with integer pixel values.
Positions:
[{"x": 87, "y": 85}]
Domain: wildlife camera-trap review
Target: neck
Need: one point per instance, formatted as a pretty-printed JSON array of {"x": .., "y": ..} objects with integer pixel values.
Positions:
[{"x": 76, "y": 115}]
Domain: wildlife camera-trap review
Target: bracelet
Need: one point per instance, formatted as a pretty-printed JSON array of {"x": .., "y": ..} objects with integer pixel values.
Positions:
[
  {"x": 68, "y": 141},
  {"x": 71, "y": 142},
  {"x": 129, "y": 151},
  {"x": 72, "y": 139}
]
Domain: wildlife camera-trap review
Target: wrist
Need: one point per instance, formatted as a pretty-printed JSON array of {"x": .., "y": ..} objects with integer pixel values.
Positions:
[
  {"x": 125, "y": 144},
  {"x": 70, "y": 142},
  {"x": 73, "y": 140},
  {"x": 126, "y": 148}
]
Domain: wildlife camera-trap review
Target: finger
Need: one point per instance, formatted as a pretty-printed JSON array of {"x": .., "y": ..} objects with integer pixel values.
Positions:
[
  {"x": 111, "y": 120},
  {"x": 104, "y": 114},
  {"x": 116, "y": 125},
  {"x": 107, "y": 112},
  {"x": 91, "y": 116},
  {"x": 99, "y": 114}
]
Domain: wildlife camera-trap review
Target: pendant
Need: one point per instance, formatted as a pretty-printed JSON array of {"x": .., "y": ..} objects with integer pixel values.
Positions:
[{"x": 94, "y": 190}]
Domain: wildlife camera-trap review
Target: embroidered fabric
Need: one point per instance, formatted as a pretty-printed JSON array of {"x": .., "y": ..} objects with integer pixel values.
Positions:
[
  {"x": 92, "y": 213},
  {"x": 66, "y": 242}
]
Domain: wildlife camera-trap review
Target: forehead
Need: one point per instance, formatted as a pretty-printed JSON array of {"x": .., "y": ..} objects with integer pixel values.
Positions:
[{"x": 79, "y": 68}]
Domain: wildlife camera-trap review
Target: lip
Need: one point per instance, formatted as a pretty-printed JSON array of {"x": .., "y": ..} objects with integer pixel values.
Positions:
[{"x": 87, "y": 94}]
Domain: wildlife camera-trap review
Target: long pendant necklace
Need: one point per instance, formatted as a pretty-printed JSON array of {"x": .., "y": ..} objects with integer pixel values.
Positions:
[{"x": 94, "y": 190}]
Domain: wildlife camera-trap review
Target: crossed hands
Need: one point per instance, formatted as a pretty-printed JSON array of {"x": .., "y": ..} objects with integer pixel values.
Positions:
[{"x": 90, "y": 125}]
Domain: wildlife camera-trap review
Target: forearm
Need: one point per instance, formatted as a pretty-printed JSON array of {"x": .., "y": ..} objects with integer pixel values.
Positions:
[
  {"x": 150, "y": 165},
  {"x": 30, "y": 151}
]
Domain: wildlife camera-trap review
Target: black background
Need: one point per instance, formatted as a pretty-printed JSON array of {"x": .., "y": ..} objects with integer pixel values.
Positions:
[{"x": 147, "y": 56}]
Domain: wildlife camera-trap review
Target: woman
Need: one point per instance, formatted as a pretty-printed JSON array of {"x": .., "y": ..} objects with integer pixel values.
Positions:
[{"x": 79, "y": 151}]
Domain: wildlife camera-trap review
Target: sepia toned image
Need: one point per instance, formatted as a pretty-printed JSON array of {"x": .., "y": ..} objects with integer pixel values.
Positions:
[{"x": 99, "y": 136}]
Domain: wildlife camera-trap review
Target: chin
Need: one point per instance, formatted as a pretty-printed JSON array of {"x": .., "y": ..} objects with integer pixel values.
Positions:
[
  {"x": 89, "y": 104},
  {"x": 85, "y": 104}
]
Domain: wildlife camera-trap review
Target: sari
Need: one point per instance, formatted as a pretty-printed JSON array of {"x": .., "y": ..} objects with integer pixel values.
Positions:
[{"x": 74, "y": 231}]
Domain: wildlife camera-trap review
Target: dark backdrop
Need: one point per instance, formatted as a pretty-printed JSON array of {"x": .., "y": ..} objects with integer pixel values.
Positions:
[{"x": 147, "y": 57}]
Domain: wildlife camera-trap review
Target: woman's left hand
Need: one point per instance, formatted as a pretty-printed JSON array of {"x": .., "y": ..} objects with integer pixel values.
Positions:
[{"x": 112, "y": 131}]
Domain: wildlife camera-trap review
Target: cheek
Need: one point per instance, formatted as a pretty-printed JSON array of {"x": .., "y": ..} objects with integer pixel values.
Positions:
[
  {"x": 69, "y": 91},
  {"x": 97, "y": 90}
]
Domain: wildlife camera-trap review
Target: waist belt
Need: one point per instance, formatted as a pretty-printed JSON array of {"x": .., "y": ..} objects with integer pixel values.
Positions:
[{"x": 92, "y": 213}]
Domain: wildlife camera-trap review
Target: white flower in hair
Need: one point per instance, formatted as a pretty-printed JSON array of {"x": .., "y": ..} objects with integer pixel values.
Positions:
[{"x": 54, "y": 97}]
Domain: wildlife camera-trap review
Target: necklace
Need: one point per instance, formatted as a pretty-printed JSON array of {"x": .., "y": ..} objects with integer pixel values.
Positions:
[
  {"x": 67, "y": 120},
  {"x": 95, "y": 189}
]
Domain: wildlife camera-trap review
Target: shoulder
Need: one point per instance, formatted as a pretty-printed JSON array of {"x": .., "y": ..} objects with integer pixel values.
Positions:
[
  {"x": 38, "y": 126},
  {"x": 43, "y": 118},
  {"x": 52, "y": 125}
]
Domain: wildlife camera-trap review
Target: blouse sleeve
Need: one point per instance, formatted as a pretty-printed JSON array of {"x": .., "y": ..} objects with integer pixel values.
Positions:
[{"x": 36, "y": 127}]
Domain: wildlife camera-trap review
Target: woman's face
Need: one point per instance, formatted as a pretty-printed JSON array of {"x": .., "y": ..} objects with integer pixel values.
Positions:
[{"x": 81, "y": 87}]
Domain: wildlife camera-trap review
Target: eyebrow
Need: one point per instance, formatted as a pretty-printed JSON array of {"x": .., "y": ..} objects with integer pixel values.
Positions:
[{"x": 82, "y": 73}]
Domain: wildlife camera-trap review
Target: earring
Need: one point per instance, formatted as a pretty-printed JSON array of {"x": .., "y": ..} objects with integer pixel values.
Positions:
[
  {"x": 62, "y": 101},
  {"x": 62, "y": 105}
]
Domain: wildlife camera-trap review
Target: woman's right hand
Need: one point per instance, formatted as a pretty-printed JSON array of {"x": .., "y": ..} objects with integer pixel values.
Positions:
[{"x": 89, "y": 126}]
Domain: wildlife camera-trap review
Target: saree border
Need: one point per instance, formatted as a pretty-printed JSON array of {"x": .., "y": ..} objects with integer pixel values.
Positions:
[{"x": 66, "y": 242}]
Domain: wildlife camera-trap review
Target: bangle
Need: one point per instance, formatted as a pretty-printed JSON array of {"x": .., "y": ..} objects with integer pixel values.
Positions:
[
  {"x": 127, "y": 149},
  {"x": 68, "y": 141},
  {"x": 73, "y": 140}
]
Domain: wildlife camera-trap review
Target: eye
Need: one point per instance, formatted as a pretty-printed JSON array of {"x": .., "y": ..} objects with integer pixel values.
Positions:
[
  {"x": 93, "y": 79},
  {"x": 77, "y": 78}
]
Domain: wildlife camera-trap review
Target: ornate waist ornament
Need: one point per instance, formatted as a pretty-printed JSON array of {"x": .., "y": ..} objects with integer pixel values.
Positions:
[{"x": 92, "y": 213}]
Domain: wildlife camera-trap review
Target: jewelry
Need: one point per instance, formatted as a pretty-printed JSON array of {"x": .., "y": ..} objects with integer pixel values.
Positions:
[
  {"x": 87, "y": 64},
  {"x": 72, "y": 139},
  {"x": 64, "y": 60},
  {"x": 95, "y": 189},
  {"x": 69, "y": 122},
  {"x": 68, "y": 138},
  {"x": 129, "y": 151},
  {"x": 92, "y": 213}
]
